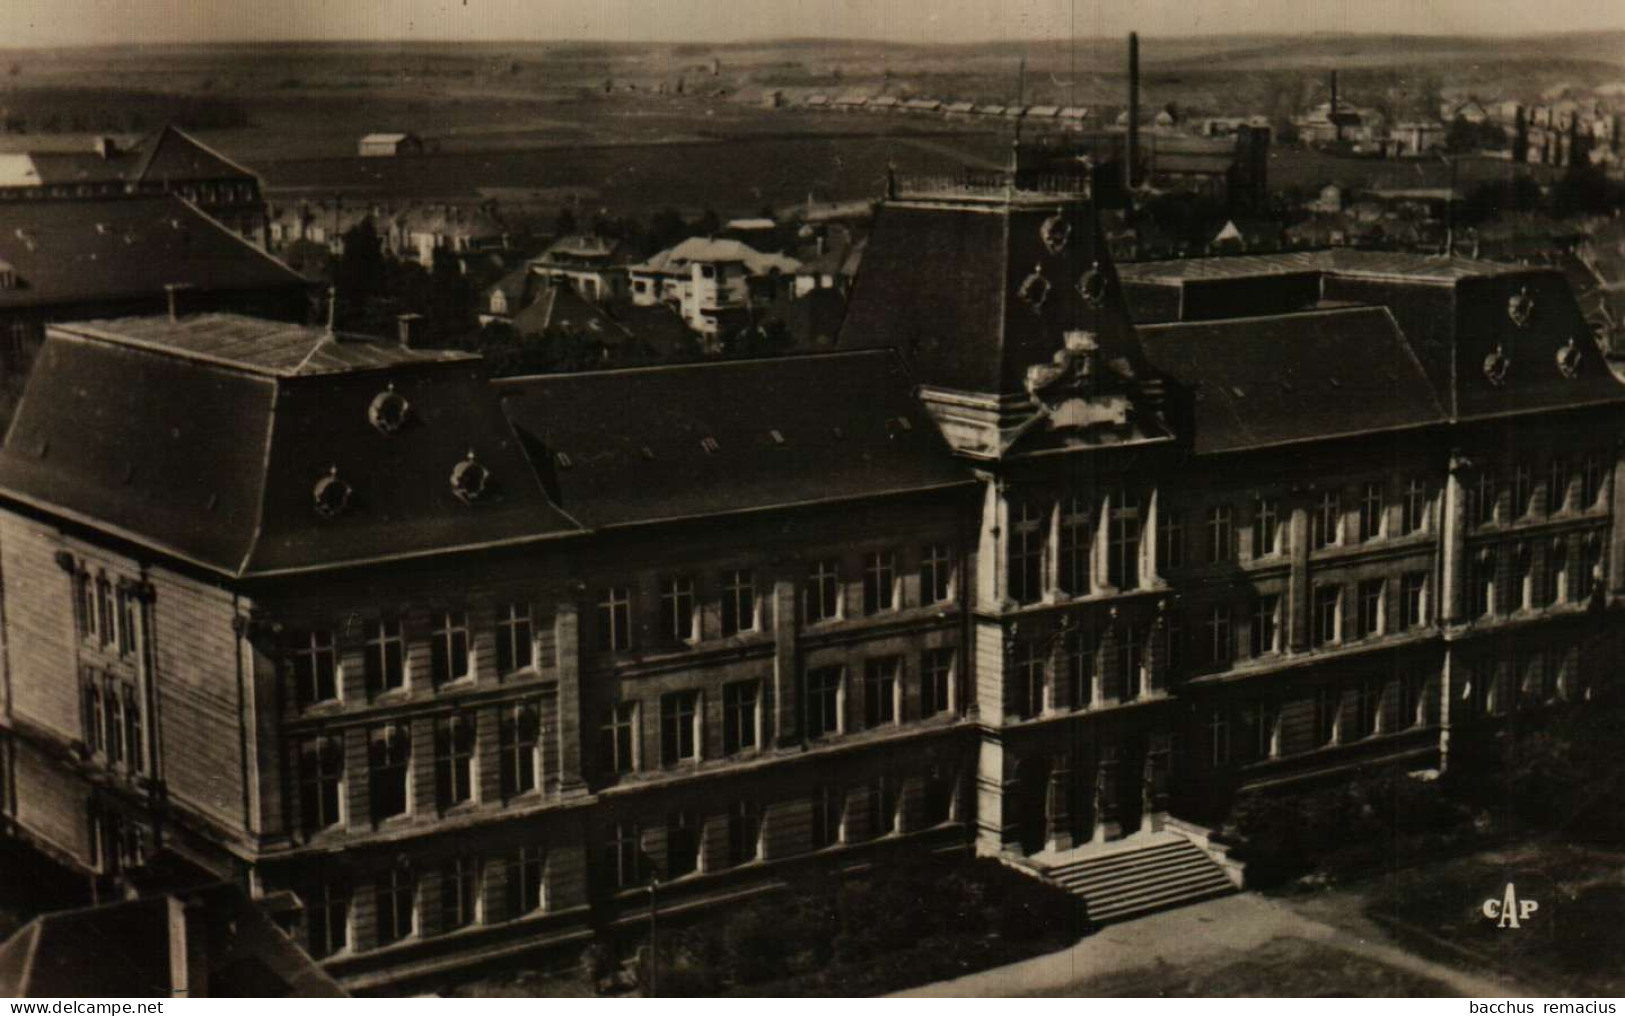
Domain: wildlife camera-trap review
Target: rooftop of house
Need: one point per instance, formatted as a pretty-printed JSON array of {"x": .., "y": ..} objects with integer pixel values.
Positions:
[
  {"x": 168, "y": 154},
  {"x": 714, "y": 250},
  {"x": 1339, "y": 261},
  {"x": 116, "y": 248},
  {"x": 385, "y": 138},
  {"x": 122, "y": 950},
  {"x": 663, "y": 443},
  {"x": 583, "y": 247}
]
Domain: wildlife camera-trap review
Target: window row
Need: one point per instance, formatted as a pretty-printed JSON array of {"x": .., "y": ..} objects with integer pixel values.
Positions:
[
  {"x": 1256, "y": 729},
  {"x": 686, "y": 613},
  {"x": 315, "y": 663},
  {"x": 390, "y": 777},
  {"x": 1072, "y": 530},
  {"x": 1114, "y": 665},
  {"x": 1522, "y": 491},
  {"x": 113, "y": 720},
  {"x": 105, "y": 613},
  {"x": 1530, "y": 677},
  {"x": 1530, "y": 576}
]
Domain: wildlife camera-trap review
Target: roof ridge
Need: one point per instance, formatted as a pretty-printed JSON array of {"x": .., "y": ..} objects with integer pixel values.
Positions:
[
  {"x": 828, "y": 354},
  {"x": 1364, "y": 308}
]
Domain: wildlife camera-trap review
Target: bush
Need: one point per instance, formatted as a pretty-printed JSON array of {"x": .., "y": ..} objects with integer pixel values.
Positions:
[{"x": 687, "y": 965}]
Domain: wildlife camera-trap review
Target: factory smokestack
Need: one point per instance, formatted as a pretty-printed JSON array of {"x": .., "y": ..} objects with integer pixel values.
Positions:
[{"x": 1133, "y": 147}]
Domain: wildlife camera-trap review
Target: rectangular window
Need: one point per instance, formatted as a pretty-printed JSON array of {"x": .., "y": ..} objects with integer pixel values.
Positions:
[
  {"x": 389, "y": 770},
  {"x": 1217, "y": 637},
  {"x": 1173, "y": 647},
  {"x": 1328, "y": 702},
  {"x": 1171, "y": 537},
  {"x": 1080, "y": 669},
  {"x": 1261, "y": 730},
  {"x": 1328, "y": 615},
  {"x": 1077, "y": 541},
  {"x": 1266, "y": 527},
  {"x": 936, "y": 573},
  {"x": 1371, "y": 511},
  {"x": 682, "y": 844},
  {"x": 879, "y": 582},
  {"x": 516, "y": 646},
  {"x": 615, "y": 619},
  {"x": 1027, "y": 553},
  {"x": 1523, "y": 578},
  {"x": 450, "y": 646},
  {"x": 527, "y": 882},
  {"x": 115, "y": 723},
  {"x": 386, "y": 657},
  {"x": 744, "y": 833},
  {"x": 1416, "y": 506},
  {"x": 1413, "y": 605},
  {"x": 677, "y": 608},
  {"x": 397, "y": 895},
  {"x": 1027, "y": 691},
  {"x": 1369, "y": 713},
  {"x": 1593, "y": 476},
  {"x": 1220, "y": 535},
  {"x": 126, "y": 622},
  {"x": 883, "y": 800},
  {"x": 321, "y": 783},
  {"x": 1481, "y": 579},
  {"x": 936, "y": 681},
  {"x": 1557, "y": 572},
  {"x": 825, "y": 701},
  {"x": 315, "y": 668},
  {"x": 84, "y": 590},
  {"x": 1131, "y": 660},
  {"x": 520, "y": 739},
  {"x": 1123, "y": 541},
  {"x": 135, "y": 745},
  {"x": 1218, "y": 725},
  {"x": 741, "y": 716},
  {"x": 1412, "y": 704},
  {"x": 829, "y": 817},
  {"x": 824, "y": 592},
  {"x": 453, "y": 760},
  {"x": 623, "y": 855},
  {"x": 1557, "y": 486},
  {"x": 880, "y": 691},
  {"x": 95, "y": 713},
  {"x": 738, "y": 602},
  {"x": 1369, "y": 619},
  {"x": 107, "y": 621},
  {"x": 328, "y": 925},
  {"x": 459, "y": 893},
  {"x": 1483, "y": 497},
  {"x": 1326, "y": 524},
  {"x": 1523, "y": 486},
  {"x": 1266, "y": 631},
  {"x": 679, "y": 727},
  {"x": 620, "y": 737},
  {"x": 1590, "y": 569}
]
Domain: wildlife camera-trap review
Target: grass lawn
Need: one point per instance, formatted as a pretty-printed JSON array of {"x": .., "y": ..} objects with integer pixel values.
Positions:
[
  {"x": 1281, "y": 967},
  {"x": 1570, "y": 945}
]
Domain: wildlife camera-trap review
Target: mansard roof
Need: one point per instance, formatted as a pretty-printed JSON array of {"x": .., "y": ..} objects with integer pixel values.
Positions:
[
  {"x": 662, "y": 443},
  {"x": 240, "y": 459},
  {"x": 1259, "y": 382},
  {"x": 972, "y": 290}
]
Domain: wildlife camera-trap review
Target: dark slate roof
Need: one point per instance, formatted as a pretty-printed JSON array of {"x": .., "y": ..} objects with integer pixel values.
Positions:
[
  {"x": 215, "y": 459},
  {"x": 1338, "y": 260},
  {"x": 121, "y": 950},
  {"x": 627, "y": 447},
  {"x": 120, "y": 248},
  {"x": 171, "y": 154},
  {"x": 559, "y": 306},
  {"x": 1257, "y": 382},
  {"x": 942, "y": 283}
]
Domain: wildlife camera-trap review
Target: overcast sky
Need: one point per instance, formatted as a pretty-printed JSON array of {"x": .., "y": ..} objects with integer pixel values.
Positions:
[{"x": 70, "y": 22}]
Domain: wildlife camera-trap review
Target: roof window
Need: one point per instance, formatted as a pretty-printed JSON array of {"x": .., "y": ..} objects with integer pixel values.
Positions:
[
  {"x": 331, "y": 495},
  {"x": 710, "y": 445},
  {"x": 470, "y": 480},
  {"x": 777, "y": 437},
  {"x": 388, "y": 411}
]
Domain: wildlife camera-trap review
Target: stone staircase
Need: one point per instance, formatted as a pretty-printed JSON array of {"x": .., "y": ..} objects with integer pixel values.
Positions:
[{"x": 1137, "y": 875}]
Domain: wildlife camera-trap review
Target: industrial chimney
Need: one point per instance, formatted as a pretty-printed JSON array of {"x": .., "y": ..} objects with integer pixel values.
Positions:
[
  {"x": 1337, "y": 126},
  {"x": 1133, "y": 147}
]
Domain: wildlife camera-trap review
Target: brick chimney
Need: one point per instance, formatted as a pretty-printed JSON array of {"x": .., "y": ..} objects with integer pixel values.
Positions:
[
  {"x": 188, "y": 949},
  {"x": 410, "y": 328}
]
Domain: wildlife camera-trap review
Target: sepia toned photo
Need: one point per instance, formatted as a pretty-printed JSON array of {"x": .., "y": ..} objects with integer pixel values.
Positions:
[{"x": 607, "y": 499}]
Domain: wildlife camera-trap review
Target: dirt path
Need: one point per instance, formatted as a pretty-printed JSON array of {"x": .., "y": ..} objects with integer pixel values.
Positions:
[{"x": 1209, "y": 934}]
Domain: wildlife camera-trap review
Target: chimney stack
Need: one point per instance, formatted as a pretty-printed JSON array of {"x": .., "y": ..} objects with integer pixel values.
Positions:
[
  {"x": 408, "y": 326},
  {"x": 106, "y": 147},
  {"x": 172, "y": 291},
  {"x": 332, "y": 312},
  {"x": 1133, "y": 149}
]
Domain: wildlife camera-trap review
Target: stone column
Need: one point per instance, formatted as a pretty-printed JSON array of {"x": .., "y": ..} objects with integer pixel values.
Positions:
[
  {"x": 1452, "y": 542},
  {"x": 1060, "y": 675},
  {"x": 784, "y": 729},
  {"x": 1297, "y": 600},
  {"x": 996, "y": 792},
  {"x": 567, "y": 635}
]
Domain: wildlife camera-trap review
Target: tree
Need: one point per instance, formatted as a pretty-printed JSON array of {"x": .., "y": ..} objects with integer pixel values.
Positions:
[
  {"x": 565, "y": 224},
  {"x": 359, "y": 274},
  {"x": 1462, "y": 136},
  {"x": 708, "y": 223}
]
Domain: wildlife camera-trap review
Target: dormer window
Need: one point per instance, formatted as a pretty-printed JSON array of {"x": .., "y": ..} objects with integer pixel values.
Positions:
[
  {"x": 388, "y": 411},
  {"x": 710, "y": 445},
  {"x": 331, "y": 494},
  {"x": 469, "y": 479}
]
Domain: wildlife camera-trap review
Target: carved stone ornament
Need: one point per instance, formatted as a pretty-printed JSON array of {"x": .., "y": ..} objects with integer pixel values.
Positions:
[
  {"x": 1092, "y": 286},
  {"x": 388, "y": 411},
  {"x": 1568, "y": 359},
  {"x": 1055, "y": 232},
  {"x": 1520, "y": 307},
  {"x": 1496, "y": 365},
  {"x": 469, "y": 479},
  {"x": 1034, "y": 288},
  {"x": 1066, "y": 390},
  {"x": 331, "y": 495}
]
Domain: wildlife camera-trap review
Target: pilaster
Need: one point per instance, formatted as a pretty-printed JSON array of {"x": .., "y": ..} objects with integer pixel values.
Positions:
[
  {"x": 1453, "y": 543},
  {"x": 1297, "y": 600},
  {"x": 567, "y": 642},
  {"x": 785, "y": 731}
]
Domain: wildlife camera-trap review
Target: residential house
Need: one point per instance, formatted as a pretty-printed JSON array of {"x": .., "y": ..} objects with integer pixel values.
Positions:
[
  {"x": 389, "y": 145},
  {"x": 595, "y": 266},
  {"x": 705, "y": 277}
]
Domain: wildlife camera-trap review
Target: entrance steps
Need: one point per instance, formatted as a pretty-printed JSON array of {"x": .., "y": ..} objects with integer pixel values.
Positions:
[{"x": 1136, "y": 875}]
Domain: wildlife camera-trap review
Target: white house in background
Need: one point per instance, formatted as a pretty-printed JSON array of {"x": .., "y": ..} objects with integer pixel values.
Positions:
[
  {"x": 384, "y": 145},
  {"x": 703, "y": 276},
  {"x": 594, "y": 266}
]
